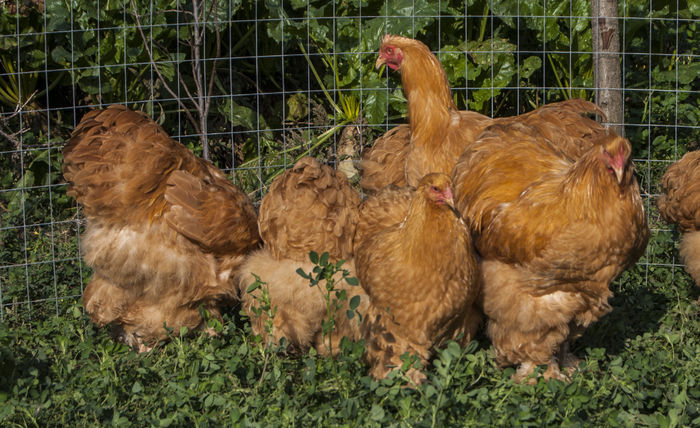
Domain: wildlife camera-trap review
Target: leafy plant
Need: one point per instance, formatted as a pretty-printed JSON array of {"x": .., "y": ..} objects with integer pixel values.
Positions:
[
  {"x": 325, "y": 272},
  {"x": 267, "y": 349}
]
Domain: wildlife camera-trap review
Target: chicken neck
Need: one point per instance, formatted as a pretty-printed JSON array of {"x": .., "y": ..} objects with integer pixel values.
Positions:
[{"x": 430, "y": 105}]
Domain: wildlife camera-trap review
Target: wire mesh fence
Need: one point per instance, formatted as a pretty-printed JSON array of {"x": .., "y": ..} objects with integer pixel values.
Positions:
[{"x": 255, "y": 85}]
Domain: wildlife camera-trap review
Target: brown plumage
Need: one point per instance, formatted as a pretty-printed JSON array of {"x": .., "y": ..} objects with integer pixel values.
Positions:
[
  {"x": 565, "y": 123},
  {"x": 310, "y": 207},
  {"x": 316, "y": 193},
  {"x": 553, "y": 233},
  {"x": 384, "y": 164},
  {"x": 381, "y": 210},
  {"x": 166, "y": 231},
  {"x": 680, "y": 204},
  {"x": 439, "y": 133},
  {"x": 421, "y": 278}
]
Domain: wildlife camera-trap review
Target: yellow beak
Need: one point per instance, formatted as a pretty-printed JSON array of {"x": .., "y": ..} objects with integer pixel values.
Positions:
[{"x": 380, "y": 61}]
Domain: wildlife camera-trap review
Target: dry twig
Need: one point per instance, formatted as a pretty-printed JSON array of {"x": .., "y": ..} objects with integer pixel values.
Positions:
[{"x": 200, "y": 98}]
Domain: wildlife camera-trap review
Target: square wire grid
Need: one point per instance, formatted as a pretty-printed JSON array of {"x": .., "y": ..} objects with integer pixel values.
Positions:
[{"x": 294, "y": 77}]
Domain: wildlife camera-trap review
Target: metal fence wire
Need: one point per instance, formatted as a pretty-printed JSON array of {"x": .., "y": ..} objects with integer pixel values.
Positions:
[{"x": 255, "y": 85}]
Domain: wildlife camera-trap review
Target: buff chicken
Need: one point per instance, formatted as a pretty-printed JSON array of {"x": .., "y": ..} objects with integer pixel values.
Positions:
[
  {"x": 680, "y": 204},
  {"x": 166, "y": 231},
  {"x": 421, "y": 278},
  {"x": 310, "y": 207},
  {"x": 553, "y": 231},
  {"x": 438, "y": 133}
]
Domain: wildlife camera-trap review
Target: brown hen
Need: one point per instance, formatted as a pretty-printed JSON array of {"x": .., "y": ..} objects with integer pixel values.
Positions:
[
  {"x": 166, "y": 231},
  {"x": 553, "y": 233},
  {"x": 310, "y": 207},
  {"x": 439, "y": 133},
  {"x": 680, "y": 204},
  {"x": 422, "y": 280}
]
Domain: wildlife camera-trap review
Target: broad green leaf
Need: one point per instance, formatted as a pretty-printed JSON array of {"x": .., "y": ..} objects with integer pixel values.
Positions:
[
  {"x": 376, "y": 413},
  {"x": 313, "y": 256},
  {"x": 323, "y": 261}
]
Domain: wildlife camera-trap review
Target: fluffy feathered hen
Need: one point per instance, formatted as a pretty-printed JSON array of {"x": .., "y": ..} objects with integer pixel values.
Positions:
[
  {"x": 310, "y": 207},
  {"x": 553, "y": 233},
  {"x": 680, "y": 204},
  {"x": 438, "y": 133},
  {"x": 422, "y": 280},
  {"x": 166, "y": 231}
]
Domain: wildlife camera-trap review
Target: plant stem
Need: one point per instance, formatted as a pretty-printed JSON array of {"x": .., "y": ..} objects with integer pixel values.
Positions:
[{"x": 318, "y": 79}]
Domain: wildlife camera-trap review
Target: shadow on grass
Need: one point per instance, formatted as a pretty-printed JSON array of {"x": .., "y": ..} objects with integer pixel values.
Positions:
[
  {"x": 17, "y": 362},
  {"x": 634, "y": 313}
]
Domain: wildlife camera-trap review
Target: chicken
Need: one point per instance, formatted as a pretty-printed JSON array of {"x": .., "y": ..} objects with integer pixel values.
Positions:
[
  {"x": 310, "y": 207},
  {"x": 439, "y": 133},
  {"x": 421, "y": 278},
  {"x": 553, "y": 233},
  {"x": 680, "y": 204},
  {"x": 166, "y": 231}
]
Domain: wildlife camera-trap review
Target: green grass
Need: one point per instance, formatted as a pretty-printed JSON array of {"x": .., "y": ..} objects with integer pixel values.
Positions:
[{"x": 640, "y": 369}]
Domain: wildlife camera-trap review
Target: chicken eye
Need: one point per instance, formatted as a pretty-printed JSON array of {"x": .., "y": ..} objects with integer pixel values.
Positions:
[
  {"x": 390, "y": 50},
  {"x": 434, "y": 188}
]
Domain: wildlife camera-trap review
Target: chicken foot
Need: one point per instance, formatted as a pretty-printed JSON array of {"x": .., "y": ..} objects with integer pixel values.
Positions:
[{"x": 525, "y": 370}]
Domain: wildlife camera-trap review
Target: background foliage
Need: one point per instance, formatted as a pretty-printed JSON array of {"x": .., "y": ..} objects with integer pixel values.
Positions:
[{"x": 258, "y": 84}]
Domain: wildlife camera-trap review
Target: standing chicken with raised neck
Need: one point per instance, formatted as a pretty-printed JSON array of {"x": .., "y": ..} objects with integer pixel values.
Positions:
[
  {"x": 439, "y": 132},
  {"x": 553, "y": 233},
  {"x": 422, "y": 280}
]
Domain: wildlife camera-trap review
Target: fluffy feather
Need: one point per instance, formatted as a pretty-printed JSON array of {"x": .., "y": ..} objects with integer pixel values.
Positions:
[
  {"x": 421, "y": 278},
  {"x": 553, "y": 233},
  {"x": 579, "y": 134},
  {"x": 386, "y": 208},
  {"x": 299, "y": 309},
  {"x": 166, "y": 231},
  {"x": 383, "y": 164},
  {"x": 310, "y": 207},
  {"x": 680, "y": 204}
]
